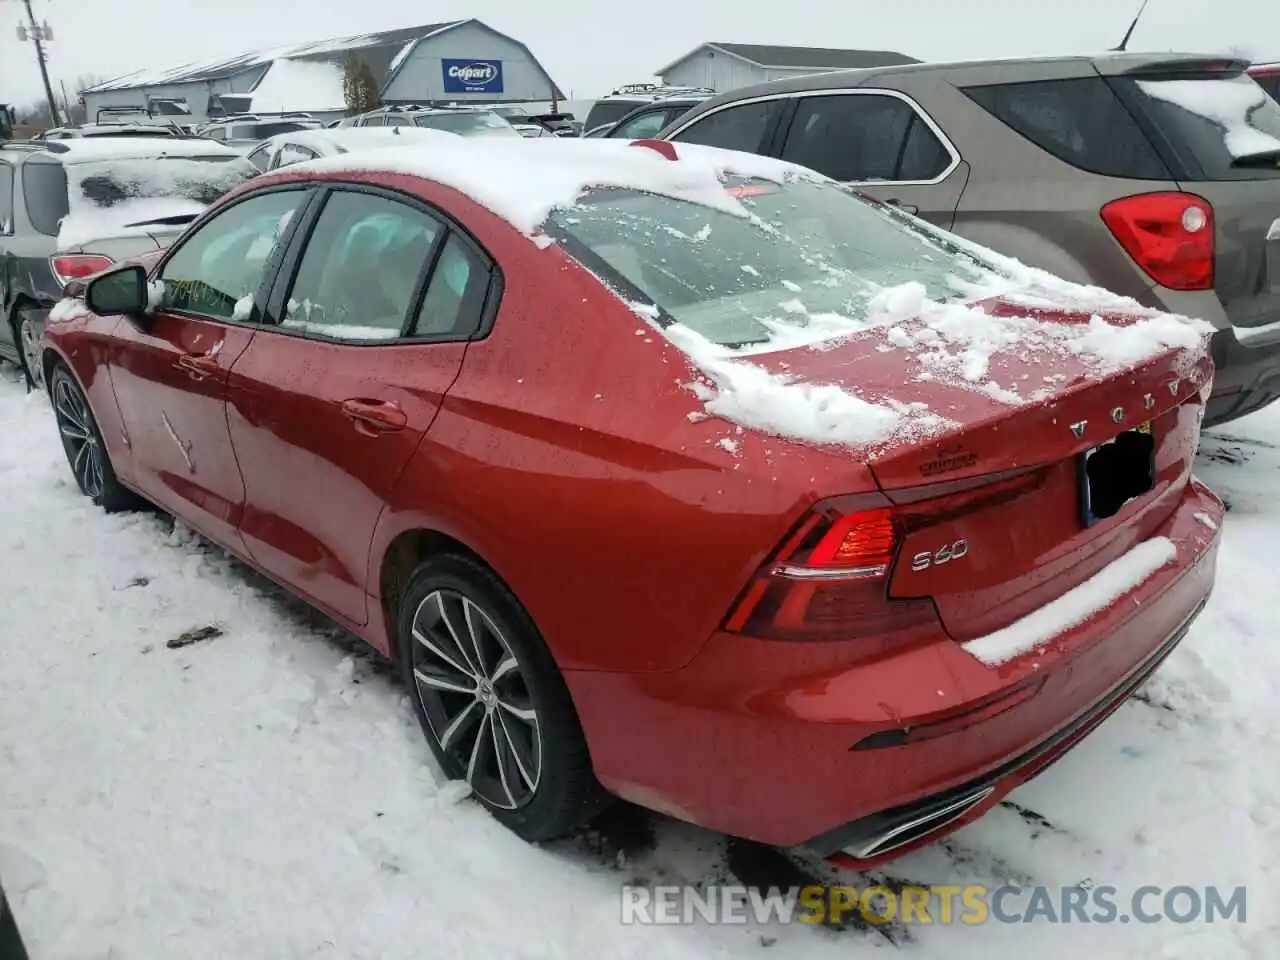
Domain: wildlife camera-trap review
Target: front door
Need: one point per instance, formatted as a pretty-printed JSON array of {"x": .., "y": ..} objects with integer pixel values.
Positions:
[
  {"x": 327, "y": 405},
  {"x": 170, "y": 372}
]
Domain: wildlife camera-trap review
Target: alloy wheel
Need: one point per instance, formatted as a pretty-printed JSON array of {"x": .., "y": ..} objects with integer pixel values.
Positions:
[
  {"x": 473, "y": 691},
  {"x": 79, "y": 436},
  {"x": 30, "y": 338}
]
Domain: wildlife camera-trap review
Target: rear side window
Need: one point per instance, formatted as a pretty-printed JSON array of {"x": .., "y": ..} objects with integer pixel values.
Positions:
[
  {"x": 1079, "y": 121},
  {"x": 733, "y": 128},
  {"x": 860, "y": 137},
  {"x": 44, "y": 188},
  {"x": 1270, "y": 83},
  {"x": 639, "y": 127},
  {"x": 1217, "y": 126}
]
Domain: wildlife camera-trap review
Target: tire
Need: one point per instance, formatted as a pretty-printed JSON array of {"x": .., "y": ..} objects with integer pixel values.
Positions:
[
  {"x": 513, "y": 733},
  {"x": 27, "y": 338},
  {"x": 82, "y": 442}
]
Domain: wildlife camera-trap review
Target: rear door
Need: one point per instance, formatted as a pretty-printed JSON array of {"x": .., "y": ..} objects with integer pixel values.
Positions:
[
  {"x": 1221, "y": 132},
  {"x": 332, "y": 397},
  {"x": 882, "y": 143}
]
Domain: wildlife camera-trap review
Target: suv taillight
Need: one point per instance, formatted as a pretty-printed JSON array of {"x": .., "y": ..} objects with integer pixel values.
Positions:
[
  {"x": 76, "y": 266},
  {"x": 829, "y": 581},
  {"x": 1169, "y": 235}
]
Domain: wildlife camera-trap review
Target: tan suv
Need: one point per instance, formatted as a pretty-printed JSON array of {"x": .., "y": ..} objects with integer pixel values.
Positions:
[{"x": 1155, "y": 176}]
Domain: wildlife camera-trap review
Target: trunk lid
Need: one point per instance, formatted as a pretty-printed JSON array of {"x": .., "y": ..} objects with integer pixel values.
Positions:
[{"x": 1003, "y": 476}]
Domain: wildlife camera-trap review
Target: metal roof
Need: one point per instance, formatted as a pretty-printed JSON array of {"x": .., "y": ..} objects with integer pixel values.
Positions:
[
  {"x": 803, "y": 58},
  {"x": 228, "y": 66}
]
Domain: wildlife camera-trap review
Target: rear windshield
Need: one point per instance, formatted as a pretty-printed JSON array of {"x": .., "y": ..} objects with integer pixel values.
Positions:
[
  {"x": 609, "y": 111},
  {"x": 1219, "y": 127},
  {"x": 111, "y": 182},
  {"x": 811, "y": 256},
  {"x": 485, "y": 124}
]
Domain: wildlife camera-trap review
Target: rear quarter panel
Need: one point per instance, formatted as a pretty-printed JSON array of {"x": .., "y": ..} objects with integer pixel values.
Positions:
[{"x": 571, "y": 456}]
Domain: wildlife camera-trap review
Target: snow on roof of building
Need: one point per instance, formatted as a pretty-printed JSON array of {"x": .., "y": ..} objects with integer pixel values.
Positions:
[
  {"x": 225, "y": 66},
  {"x": 290, "y": 86},
  {"x": 804, "y": 58}
]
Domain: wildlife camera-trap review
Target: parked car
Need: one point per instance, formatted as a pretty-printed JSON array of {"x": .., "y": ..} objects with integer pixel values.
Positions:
[
  {"x": 1267, "y": 76},
  {"x": 70, "y": 208},
  {"x": 112, "y": 130},
  {"x": 246, "y": 131},
  {"x": 648, "y": 119},
  {"x": 1120, "y": 170},
  {"x": 607, "y": 111},
  {"x": 845, "y": 623},
  {"x": 285, "y": 149},
  {"x": 464, "y": 121}
]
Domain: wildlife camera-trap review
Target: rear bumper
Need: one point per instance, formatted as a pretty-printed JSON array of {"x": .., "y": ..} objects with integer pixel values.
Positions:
[
  {"x": 1246, "y": 378},
  {"x": 757, "y": 739}
]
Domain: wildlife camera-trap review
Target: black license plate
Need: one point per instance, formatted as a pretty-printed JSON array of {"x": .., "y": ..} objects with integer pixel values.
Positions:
[{"x": 1116, "y": 472}]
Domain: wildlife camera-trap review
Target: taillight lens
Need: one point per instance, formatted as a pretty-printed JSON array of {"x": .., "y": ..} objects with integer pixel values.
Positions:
[
  {"x": 1169, "y": 235},
  {"x": 77, "y": 266},
  {"x": 829, "y": 581}
]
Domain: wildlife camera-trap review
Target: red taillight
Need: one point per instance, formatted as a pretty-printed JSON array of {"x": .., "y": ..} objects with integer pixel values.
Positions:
[
  {"x": 1169, "y": 235},
  {"x": 829, "y": 581},
  {"x": 77, "y": 266}
]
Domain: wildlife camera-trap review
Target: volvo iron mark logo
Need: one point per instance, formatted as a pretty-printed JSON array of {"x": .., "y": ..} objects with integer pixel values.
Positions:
[{"x": 474, "y": 74}]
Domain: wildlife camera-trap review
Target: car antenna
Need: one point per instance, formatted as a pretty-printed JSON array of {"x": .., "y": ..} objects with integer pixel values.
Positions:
[{"x": 1124, "y": 44}]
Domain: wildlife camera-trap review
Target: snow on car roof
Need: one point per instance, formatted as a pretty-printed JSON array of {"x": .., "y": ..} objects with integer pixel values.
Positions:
[
  {"x": 92, "y": 149},
  {"x": 523, "y": 180}
]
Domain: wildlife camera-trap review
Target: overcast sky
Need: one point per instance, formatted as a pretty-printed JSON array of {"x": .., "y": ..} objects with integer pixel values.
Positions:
[{"x": 589, "y": 47}]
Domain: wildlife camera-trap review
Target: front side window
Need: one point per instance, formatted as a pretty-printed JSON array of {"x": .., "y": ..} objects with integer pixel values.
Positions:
[
  {"x": 361, "y": 268},
  {"x": 638, "y": 128},
  {"x": 806, "y": 265},
  {"x": 261, "y": 157},
  {"x": 218, "y": 270},
  {"x": 734, "y": 128},
  {"x": 294, "y": 153}
]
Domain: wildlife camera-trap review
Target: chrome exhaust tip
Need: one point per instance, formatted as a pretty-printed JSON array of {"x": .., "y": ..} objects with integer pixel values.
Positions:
[{"x": 917, "y": 827}]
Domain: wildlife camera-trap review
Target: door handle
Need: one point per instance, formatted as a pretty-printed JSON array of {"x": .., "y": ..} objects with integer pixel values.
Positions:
[
  {"x": 379, "y": 416},
  {"x": 910, "y": 208},
  {"x": 198, "y": 365}
]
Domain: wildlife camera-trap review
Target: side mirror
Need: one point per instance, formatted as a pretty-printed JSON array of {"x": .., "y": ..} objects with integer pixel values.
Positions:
[{"x": 120, "y": 291}]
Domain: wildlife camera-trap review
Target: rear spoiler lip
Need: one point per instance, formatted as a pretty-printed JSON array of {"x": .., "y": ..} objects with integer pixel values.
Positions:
[{"x": 1174, "y": 65}]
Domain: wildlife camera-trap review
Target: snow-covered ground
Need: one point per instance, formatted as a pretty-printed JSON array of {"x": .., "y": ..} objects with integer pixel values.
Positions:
[{"x": 265, "y": 794}]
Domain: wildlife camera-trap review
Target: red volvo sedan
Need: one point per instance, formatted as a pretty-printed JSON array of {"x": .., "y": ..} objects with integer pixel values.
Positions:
[{"x": 693, "y": 479}]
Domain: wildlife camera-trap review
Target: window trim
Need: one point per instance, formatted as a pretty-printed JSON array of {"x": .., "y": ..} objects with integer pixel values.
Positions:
[
  {"x": 287, "y": 274},
  {"x": 13, "y": 192},
  {"x": 797, "y": 95},
  {"x": 269, "y": 269}
]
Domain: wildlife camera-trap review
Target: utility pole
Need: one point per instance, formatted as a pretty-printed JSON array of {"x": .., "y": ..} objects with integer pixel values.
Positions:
[{"x": 39, "y": 35}]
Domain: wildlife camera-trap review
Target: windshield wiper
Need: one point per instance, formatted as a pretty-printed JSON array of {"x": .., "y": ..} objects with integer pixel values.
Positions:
[
  {"x": 177, "y": 220},
  {"x": 1263, "y": 158}
]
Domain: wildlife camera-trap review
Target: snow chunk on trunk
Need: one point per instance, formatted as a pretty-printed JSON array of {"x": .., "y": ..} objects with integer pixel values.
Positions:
[
  {"x": 751, "y": 396},
  {"x": 1076, "y": 605}
]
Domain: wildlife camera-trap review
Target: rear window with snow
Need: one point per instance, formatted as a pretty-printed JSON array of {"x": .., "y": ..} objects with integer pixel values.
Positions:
[
  {"x": 802, "y": 266},
  {"x": 99, "y": 198},
  {"x": 479, "y": 124},
  {"x": 1219, "y": 126}
]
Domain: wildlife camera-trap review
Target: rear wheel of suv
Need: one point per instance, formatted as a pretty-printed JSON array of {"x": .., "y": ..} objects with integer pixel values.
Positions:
[{"x": 28, "y": 338}]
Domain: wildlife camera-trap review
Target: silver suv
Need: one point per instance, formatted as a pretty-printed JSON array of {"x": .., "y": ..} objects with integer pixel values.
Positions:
[{"x": 1155, "y": 176}]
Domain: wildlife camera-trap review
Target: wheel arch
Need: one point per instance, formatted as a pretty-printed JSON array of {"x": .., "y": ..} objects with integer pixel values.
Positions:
[{"x": 406, "y": 550}]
